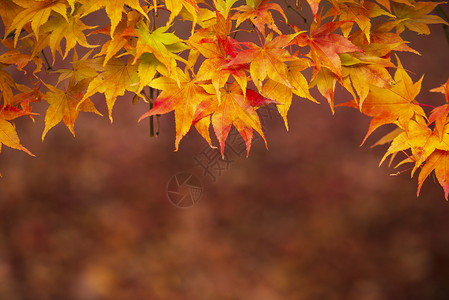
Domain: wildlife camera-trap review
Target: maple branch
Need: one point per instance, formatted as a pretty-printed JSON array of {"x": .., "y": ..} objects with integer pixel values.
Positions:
[
  {"x": 236, "y": 31},
  {"x": 152, "y": 117},
  {"x": 49, "y": 67},
  {"x": 297, "y": 12},
  {"x": 244, "y": 30},
  {"x": 152, "y": 92}
]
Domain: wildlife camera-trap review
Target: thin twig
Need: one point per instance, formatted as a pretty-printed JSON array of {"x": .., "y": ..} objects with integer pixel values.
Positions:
[
  {"x": 151, "y": 106},
  {"x": 49, "y": 67},
  {"x": 297, "y": 12}
]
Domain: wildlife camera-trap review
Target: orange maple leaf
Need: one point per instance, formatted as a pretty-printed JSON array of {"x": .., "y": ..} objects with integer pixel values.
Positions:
[
  {"x": 421, "y": 140},
  {"x": 392, "y": 105},
  {"x": 444, "y": 89},
  {"x": 218, "y": 49},
  {"x": 360, "y": 13},
  {"x": 17, "y": 57},
  {"x": 260, "y": 15},
  {"x": 314, "y": 5},
  {"x": 184, "y": 98},
  {"x": 326, "y": 46},
  {"x": 438, "y": 162},
  {"x": 267, "y": 61},
  {"x": 236, "y": 109}
]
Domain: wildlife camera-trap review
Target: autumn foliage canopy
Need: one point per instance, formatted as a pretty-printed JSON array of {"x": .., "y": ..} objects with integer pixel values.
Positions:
[{"x": 236, "y": 57}]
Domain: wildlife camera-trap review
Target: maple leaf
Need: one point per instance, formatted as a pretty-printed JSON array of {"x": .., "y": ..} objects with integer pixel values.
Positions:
[
  {"x": 211, "y": 69},
  {"x": 419, "y": 138},
  {"x": 267, "y": 61},
  {"x": 224, "y": 6},
  {"x": 37, "y": 12},
  {"x": 314, "y": 5},
  {"x": 81, "y": 68},
  {"x": 387, "y": 3},
  {"x": 370, "y": 67},
  {"x": 416, "y": 17},
  {"x": 326, "y": 46},
  {"x": 7, "y": 83},
  {"x": 235, "y": 109},
  {"x": 114, "y": 9},
  {"x": 160, "y": 43},
  {"x": 116, "y": 78},
  {"x": 218, "y": 49},
  {"x": 438, "y": 161},
  {"x": 283, "y": 94},
  {"x": 205, "y": 42},
  {"x": 444, "y": 89},
  {"x": 389, "y": 137},
  {"x": 175, "y": 7},
  {"x": 184, "y": 99},
  {"x": 361, "y": 13},
  {"x": 120, "y": 38},
  {"x": 148, "y": 66},
  {"x": 297, "y": 79},
  {"x": 202, "y": 118},
  {"x": 381, "y": 34},
  {"x": 64, "y": 105},
  {"x": 8, "y": 11},
  {"x": 393, "y": 105},
  {"x": 259, "y": 15},
  {"x": 15, "y": 56},
  {"x": 439, "y": 116},
  {"x": 325, "y": 80},
  {"x": 69, "y": 28},
  {"x": 8, "y": 134}
]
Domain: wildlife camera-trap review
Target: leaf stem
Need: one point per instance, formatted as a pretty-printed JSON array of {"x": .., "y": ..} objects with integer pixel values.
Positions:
[
  {"x": 425, "y": 105},
  {"x": 297, "y": 12}
]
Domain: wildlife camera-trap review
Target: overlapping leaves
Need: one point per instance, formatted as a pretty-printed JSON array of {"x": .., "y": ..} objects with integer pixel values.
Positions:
[{"x": 215, "y": 77}]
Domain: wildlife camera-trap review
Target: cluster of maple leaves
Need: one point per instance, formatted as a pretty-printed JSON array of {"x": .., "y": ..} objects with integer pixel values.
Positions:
[{"x": 211, "y": 79}]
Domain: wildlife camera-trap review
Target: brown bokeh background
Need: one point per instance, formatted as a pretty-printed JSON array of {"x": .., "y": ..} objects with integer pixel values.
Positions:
[{"x": 314, "y": 217}]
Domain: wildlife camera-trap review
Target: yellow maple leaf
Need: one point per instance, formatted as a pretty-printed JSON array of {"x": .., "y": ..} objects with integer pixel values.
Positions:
[
  {"x": 69, "y": 28},
  {"x": 64, "y": 106},
  {"x": 116, "y": 78},
  {"x": 37, "y": 12},
  {"x": 114, "y": 9}
]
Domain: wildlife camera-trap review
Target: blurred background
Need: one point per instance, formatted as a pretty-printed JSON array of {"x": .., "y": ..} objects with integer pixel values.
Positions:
[{"x": 313, "y": 217}]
